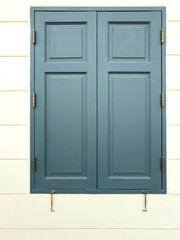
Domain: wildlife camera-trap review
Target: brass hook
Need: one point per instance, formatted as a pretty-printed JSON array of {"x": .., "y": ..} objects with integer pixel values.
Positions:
[
  {"x": 145, "y": 200},
  {"x": 52, "y": 193}
]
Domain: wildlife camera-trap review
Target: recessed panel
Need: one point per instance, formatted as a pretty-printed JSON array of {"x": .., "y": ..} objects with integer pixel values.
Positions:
[
  {"x": 66, "y": 42},
  {"x": 128, "y": 42},
  {"x": 129, "y": 124},
  {"x": 66, "y": 126}
]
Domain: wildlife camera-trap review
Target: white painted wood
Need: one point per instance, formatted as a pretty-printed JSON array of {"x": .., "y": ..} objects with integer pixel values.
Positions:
[
  {"x": 14, "y": 142},
  {"x": 173, "y": 142},
  {"x": 15, "y": 39},
  {"x": 173, "y": 177},
  {"x": 97, "y": 3},
  {"x": 22, "y": 7},
  {"x": 14, "y": 73},
  {"x": 14, "y": 10},
  {"x": 78, "y": 211},
  {"x": 90, "y": 211},
  {"x": 14, "y": 176},
  {"x": 90, "y": 234},
  {"x": 173, "y": 38},
  {"x": 173, "y": 73},
  {"x": 173, "y": 111},
  {"x": 173, "y": 9},
  {"x": 92, "y": 3},
  {"x": 14, "y": 107}
]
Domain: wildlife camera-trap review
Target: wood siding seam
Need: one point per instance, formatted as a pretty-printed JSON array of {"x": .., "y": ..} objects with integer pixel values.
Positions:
[
  {"x": 170, "y": 124},
  {"x": 14, "y": 90},
  {"x": 173, "y": 90},
  {"x": 85, "y": 229},
  {"x": 173, "y": 159},
  {"x": 14, "y": 22},
  {"x": 173, "y": 20},
  {"x": 14, "y": 56},
  {"x": 173, "y": 55},
  {"x": 14, "y": 125},
  {"x": 14, "y": 159},
  {"x": 13, "y": 194}
]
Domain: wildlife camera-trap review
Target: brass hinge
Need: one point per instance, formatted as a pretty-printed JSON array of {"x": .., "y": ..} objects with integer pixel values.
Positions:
[
  {"x": 162, "y": 99},
  {"x": 162, "y": 163},
  {"x": 162, "y": 35},
  {"x": 34, "y": 164},
  {"x": 34, "y": 100},
  {"x": 34, "y": 36}
]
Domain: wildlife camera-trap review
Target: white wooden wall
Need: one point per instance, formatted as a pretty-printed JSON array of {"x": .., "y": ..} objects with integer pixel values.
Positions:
[{"x": 77, "y": 217}]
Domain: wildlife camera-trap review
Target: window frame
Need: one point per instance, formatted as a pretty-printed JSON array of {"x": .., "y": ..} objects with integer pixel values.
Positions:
[{"x": 33, "y": 10}]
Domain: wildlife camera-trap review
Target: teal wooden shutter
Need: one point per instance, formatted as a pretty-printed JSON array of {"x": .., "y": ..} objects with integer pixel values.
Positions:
[
  {"x": 120, "y": 53},
  {"x": 129, "y": 111},
  {"x": 65, "y": 86}
]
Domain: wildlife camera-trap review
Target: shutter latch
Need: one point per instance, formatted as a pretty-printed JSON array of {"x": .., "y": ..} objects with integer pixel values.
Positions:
[
  {"x": 52, "y": 193},
  {"x": 145, "y": 200}
]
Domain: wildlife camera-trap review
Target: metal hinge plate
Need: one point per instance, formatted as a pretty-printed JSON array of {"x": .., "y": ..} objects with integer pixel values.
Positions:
[
  {"x": 162, "y": 99},
  {"x": 34, "y": 164},
  {"x": 34, "y": 36},
  {"x": 34, "y": 100},
  {"x": 162, "y": 163},
  {"x": 162, "y": 35}
]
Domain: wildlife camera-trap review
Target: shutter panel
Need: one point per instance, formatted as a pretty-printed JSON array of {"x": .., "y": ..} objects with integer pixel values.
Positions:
[
  {"x": 128, "y": 114},
  {"x": 129, "y": 110},
  {"x": 65, "y": 86}
]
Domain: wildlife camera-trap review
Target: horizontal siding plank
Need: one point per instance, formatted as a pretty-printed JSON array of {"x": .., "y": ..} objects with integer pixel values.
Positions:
[
  {"x": 173, "y": 177},
  {"x": 14, "y": 107},
  {"x": 173, "y": 38},
  {"x": 173, "y": 75},
  {"x": 97, "y": 3},
  {"x": 89, "y": 211},
  {"x": 15, "y": 73},
  {"x": 173, "y": 112},
  {"x": 22, "y": 7},
  {"x": 100, "y": 234},
  {"x": 173, "y": 9},
  {"x": 173, "y": 142},
  {"x": 14, "y": 142},
  {"x": 14, "y": 176},
  {"x": 15, "y": 39},
  {"x": 13, "y": 10}
]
